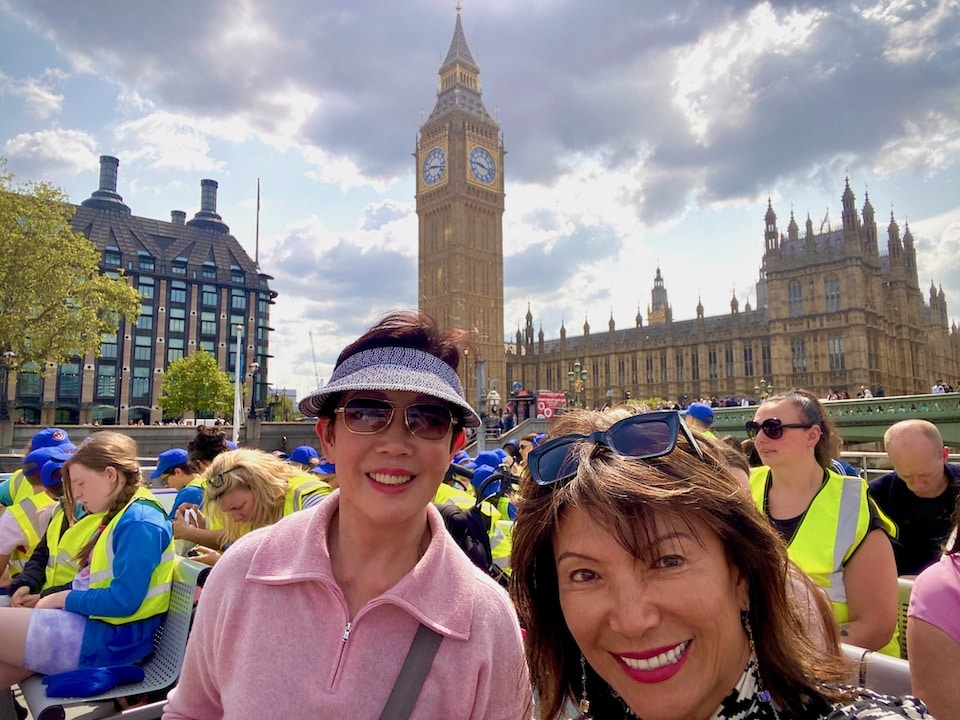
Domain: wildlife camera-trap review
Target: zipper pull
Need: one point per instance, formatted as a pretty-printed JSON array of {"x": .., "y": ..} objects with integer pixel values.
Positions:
[{"x": 346, "y": 631}]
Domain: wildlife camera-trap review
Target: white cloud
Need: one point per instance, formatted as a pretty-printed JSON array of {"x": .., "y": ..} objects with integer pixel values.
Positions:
[
  {"x": 164, "y": 140},
  {"x": 39, "y": 96},
  {"x": 711, "y": 82},
  {"x": 59, "y": 151}
]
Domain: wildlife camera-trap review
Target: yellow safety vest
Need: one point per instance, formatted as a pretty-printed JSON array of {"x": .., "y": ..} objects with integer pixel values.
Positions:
[
  {"x": 499, "y": 528},
  {"x": 301, "y": 487},
  {"x": 501, "y": 545},
  {"x": 157, "y": 599},
  {"x": 832, "y": 528},
  {"x": 20, "y": 487},
  {"x": 26, "y": 512},
  {"x": 64, "y": 545}
]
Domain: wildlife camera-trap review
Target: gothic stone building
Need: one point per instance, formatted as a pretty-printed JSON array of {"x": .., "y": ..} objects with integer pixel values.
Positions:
[
  {"x": 196, "y": 284},
  {"x": 834, "y": 310}
]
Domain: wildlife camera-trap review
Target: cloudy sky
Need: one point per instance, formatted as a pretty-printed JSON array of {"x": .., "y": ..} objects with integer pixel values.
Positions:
[{"x": 638, "y": 134}]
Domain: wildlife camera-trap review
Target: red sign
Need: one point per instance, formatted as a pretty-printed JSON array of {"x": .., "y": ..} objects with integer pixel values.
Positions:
[{"x": 548, "y": 402}]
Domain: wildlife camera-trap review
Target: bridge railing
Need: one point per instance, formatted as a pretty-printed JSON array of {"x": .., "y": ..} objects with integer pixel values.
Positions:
[{"x": 865, "y": 420}]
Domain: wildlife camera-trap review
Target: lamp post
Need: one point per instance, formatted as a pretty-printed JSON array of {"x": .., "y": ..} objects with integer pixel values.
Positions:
[
  {"x": 254, "y": 367},
  {"x": 577, "y": 377},
  {"x": 9, "y": 360},
  {"x": 763, "y": 389}
]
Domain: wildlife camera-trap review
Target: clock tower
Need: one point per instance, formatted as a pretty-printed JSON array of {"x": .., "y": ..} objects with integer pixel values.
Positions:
[{"x": 459, "y": 158}]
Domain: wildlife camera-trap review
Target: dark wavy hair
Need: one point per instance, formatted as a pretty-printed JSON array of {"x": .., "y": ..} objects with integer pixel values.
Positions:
[
  {"x": 205, "y": 446},
  {"x": 625, "y": 496}
]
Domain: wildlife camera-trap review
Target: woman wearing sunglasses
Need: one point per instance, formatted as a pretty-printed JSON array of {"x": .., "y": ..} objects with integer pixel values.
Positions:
[
  {"x": 652, "y": 587},
  {"x": 364, "y": 607},
  {"x": 833, "y": 530}
]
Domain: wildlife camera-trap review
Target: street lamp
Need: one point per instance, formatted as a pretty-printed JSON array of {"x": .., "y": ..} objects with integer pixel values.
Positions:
[
  {"x": 254, "y": 367},
  {"x": 577, "y": 377},
  {"x": 9, "y": 359},
  {"x": 763, "y": 389}
]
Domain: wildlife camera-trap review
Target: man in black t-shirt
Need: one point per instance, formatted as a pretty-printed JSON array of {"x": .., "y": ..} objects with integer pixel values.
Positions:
[{"x": 920, "y": 495}]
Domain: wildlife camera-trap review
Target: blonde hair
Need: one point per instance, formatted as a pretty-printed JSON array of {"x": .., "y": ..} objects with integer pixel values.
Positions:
[
  {"x": 98, "y": 452},
  {"x": 265, "y": 475}
]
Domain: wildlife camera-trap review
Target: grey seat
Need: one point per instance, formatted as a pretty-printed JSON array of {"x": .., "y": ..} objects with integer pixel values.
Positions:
[
  {"x": 161, "y": 669},
  {"x": 878, "y": 672}
]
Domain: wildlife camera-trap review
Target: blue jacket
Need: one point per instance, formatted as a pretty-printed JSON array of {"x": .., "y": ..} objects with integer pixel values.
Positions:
[
  {"x": 190, "y": 494},
  {"x": 140, "y": 538}
]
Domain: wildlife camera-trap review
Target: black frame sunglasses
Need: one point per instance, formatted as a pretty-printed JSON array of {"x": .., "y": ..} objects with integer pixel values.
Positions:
[
  {"x": 641, "y": 437},
  {"x": 369, "y": 416},
  {"x": 772, "y": 428}
]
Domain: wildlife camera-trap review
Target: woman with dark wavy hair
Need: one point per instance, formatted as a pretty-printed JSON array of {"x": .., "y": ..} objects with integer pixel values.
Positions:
[{"x": 652, "y": 587}]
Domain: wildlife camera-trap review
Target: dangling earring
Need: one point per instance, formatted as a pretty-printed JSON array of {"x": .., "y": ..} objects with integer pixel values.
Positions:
[
  {"x": 763, "y": 695},
  {"x": 584, "y": 705}
]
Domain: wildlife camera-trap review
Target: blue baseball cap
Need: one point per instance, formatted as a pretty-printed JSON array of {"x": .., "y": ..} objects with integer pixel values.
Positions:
[
  {"x": 169, "y": 459},
  {"x": 49, "y": 437},
  {"x": 50, "y": 472},
  {"x": 303, "y": 455},
  {"x": 35, "y": 460},
  {"x": 700, "y": 411}
]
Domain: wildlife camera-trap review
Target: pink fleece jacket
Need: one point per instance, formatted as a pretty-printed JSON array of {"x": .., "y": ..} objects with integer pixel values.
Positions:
[{"x": 270, "y": 638}]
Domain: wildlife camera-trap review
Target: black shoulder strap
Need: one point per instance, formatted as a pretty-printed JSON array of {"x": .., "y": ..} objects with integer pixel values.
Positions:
[{"x": 414, "y": 671}]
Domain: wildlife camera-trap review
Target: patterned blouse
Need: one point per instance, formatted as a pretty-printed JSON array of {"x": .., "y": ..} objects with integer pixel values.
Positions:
[
  {"x": 748, "y": 701},
  {"x": 745, "y": 702}
]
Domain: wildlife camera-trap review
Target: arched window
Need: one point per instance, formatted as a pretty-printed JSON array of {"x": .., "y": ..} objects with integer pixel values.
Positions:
[{"x": 795, "y": 298}]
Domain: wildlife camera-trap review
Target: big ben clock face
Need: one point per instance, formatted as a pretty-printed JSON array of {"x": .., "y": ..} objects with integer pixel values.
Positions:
[
  {"x": 434, "y": 165},
  {"x": 482, "y": 165}
]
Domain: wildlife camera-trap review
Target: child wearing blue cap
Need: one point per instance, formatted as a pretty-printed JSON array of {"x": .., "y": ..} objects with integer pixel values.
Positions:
[
  {"x": 22, "y": 526},
  {"x": 117, "y": 600}
]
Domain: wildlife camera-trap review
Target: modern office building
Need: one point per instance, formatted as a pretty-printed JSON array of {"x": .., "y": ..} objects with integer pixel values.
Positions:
[{"x": 197, "y": 286}]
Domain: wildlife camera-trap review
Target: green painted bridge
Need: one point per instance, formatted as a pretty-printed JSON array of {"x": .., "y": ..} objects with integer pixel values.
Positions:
[{"x": 865, "y": 421}]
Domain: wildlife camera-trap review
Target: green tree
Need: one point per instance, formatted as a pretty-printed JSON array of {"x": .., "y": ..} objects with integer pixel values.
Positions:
[
  {"x": 54, "y": 303},
  {"x": 281, "y": 408},
  {"x": 196, "y": 384}
]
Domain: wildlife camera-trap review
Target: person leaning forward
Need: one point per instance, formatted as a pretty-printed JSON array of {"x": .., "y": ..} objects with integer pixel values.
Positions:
[{"x": 920, "y": 494}]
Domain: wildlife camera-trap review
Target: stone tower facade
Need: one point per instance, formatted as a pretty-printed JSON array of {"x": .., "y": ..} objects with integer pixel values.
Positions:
[
  {"x": 835, "y": 309},
  {"x": 460, "y": 202}
]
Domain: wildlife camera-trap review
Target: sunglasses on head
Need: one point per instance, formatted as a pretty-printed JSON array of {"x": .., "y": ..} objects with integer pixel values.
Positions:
[
  {"x": 773, "y": 428},
  {"x": 368, "y": 416},
  {"x": 642, "y": 437}
]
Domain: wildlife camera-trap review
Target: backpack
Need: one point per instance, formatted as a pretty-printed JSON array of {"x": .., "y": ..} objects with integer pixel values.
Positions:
[{"x": 468, "y": 528}]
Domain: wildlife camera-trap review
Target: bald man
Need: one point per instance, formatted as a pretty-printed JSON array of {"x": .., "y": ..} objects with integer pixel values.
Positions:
[{"x": 920, "y": 495}]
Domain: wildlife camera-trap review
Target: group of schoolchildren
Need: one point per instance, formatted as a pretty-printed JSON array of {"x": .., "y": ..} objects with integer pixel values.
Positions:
[{"x": 56, "y": 534}]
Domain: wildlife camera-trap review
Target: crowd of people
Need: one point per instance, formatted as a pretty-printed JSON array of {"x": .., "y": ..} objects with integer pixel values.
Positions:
[{"x": 652, "y": 569}]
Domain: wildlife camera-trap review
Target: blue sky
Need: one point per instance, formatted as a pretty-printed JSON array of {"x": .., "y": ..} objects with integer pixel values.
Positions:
[{"x": 637, "y": 134}]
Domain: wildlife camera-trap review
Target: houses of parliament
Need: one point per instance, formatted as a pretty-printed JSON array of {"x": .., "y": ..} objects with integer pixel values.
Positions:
[{"x": 836, "y": 308}]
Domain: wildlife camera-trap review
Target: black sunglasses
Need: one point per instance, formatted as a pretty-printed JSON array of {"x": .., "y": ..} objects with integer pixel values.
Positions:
[
  {"x": 368, "y": 416},
  {"x": 773, "y": 428},
  {"x": 642, "y": 437}
]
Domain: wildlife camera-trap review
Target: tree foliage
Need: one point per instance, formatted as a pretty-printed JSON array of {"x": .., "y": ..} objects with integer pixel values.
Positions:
[
  {"x": 282, "y": 408},
  {"x": 54, "y": 303},
  {"x": 196, "y": 384}
]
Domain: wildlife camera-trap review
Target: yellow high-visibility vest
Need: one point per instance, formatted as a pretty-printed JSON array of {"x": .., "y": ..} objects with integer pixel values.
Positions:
[
  {"x": 832, "y": 528},
  {"x": 64, "y": 545},
  {"x": 157, "y": 599}
]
